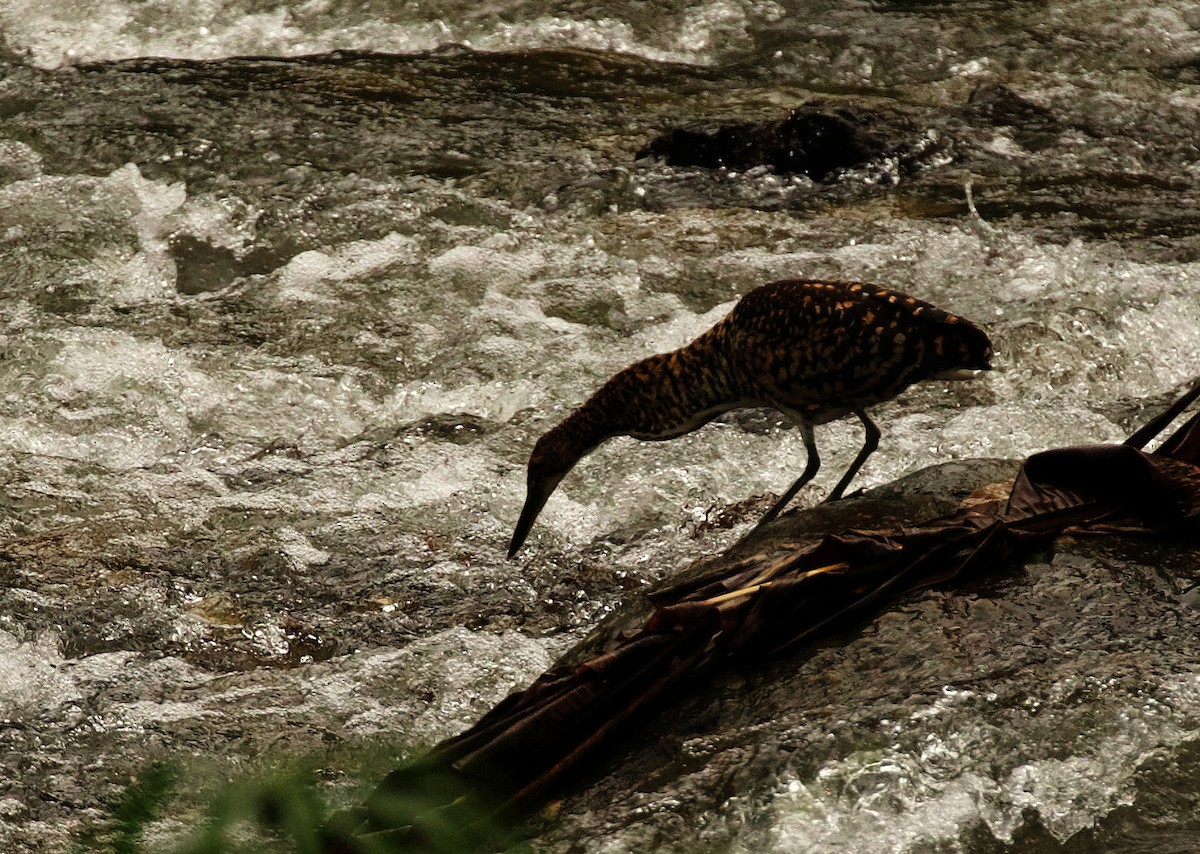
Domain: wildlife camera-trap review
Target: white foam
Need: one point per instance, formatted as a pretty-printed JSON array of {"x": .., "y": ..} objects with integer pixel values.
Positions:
[
  {"x": 899, "y": 800},
  {"x": 102, "y": 238},
  {"x": 55, "y": 34},
  {"x": 449, "y": 679},
  {"x": 31, "y": 676},
  {"x": 345, "y": 271}
]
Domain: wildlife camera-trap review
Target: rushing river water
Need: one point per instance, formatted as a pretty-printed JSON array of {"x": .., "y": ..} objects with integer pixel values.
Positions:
[{"x": 276, "y": 339}]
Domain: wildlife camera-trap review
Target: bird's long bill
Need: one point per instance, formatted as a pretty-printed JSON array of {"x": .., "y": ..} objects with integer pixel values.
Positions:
[
  {"x": 960, "y": 374},
  {"x": 537, "y": 493}
]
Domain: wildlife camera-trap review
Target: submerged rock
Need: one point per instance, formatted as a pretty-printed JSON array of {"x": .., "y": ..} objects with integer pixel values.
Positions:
[{"x": 815, "y": 139}]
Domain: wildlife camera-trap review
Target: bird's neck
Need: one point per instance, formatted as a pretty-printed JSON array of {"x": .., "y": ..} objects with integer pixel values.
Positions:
[
  {"x": 660, "y": 397},
  {"x": 581, "y": 432}
]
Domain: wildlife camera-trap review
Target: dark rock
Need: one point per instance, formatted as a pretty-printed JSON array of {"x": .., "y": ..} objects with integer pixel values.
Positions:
[
  {"x": 461, "y": 428},
  {"x": 969, "y": 687},
  {"x": 814, "y": 139},
  {"x": 1034, "y": 127},
  {"x": 201, "y": 267},
  {"x": 925, "y": 494}
]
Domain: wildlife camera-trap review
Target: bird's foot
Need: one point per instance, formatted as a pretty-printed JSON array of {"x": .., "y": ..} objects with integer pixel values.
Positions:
[{"x": 855, "y": 494}]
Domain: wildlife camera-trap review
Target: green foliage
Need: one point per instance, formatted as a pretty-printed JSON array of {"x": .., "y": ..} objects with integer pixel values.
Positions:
[
  {"x": 418, "y": 810},
  {"x": 138, "y": 806}
]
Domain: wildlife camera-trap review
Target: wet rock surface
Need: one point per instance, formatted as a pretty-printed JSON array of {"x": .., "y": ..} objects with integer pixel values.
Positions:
[
  {"x": 926, "y": 494},
  {"x": 935, "y": 719}
]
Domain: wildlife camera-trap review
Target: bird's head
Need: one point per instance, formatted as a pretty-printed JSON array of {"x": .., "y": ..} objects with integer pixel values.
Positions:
[
  {"x": 975, "y": 348},
  {"x": 963, "y": 350},
  {"x": 553, "y": 456},
  {"x": 967, "y": 347}
]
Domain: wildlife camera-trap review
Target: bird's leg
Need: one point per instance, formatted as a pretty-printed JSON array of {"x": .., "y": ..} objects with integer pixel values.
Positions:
[
  {"x": 810, "y": 471},
  {"x": 870, "y": 443}
]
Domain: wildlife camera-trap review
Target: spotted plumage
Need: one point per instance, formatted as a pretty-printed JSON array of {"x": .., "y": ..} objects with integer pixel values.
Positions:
[{"x": 814, "y": 350}]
